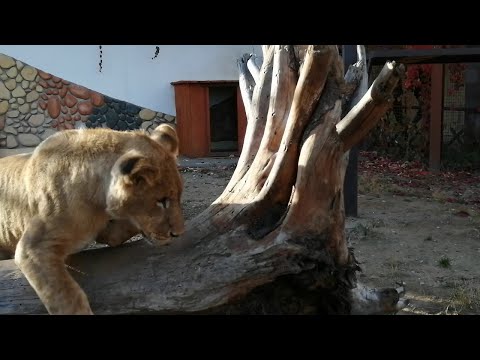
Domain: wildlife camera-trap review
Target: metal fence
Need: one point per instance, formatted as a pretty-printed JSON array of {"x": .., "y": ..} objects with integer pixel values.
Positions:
[{"x": 403, "y": 133}]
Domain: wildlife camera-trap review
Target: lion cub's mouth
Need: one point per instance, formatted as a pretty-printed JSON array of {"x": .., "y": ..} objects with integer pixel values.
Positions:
[{"x": 157, "y": 240}]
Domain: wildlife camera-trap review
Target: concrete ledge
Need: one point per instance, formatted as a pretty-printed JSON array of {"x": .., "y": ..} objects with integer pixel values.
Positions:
[{"x": 8, "y": 152}]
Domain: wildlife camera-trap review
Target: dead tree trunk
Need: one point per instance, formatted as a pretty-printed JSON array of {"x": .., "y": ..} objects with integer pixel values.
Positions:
[{"x": 274, "y": 241}]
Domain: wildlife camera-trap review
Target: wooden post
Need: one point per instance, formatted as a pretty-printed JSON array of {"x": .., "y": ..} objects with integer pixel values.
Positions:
[
  {"x": 350, "y": 185},
  {"x": 436, "y": 117}
]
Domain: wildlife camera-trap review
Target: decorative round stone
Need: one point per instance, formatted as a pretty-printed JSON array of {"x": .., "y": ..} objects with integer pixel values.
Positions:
[
  {"x": 29, "y": 73},
  {"x": 12, "y": 72},
  {"x": 53, "y": 106},
  {"x": 146, "y": 114},
  {"x": 44, "y": 75},
  {"x": 36, "y": 120},
  {"x": 97, "y": 99},
  {"x": 70, "y": 100},
  {"x": 10, "y": 84},
  {"x": 6, "y": 62},
  {"x": 3, "y": 107},
  {"x": 4, "y": 92},
  {"x": 32, "y": 96},
  {"x": 18, "y": 92},
  {"x": 85, "y": 108},
  {"x": 79, "y": 91},
  {"x": 24, "y": 109},
  {"x": 11, "y": 142}
]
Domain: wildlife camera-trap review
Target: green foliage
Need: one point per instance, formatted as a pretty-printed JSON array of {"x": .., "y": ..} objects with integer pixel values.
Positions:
[{"x": 444, "y": 262}]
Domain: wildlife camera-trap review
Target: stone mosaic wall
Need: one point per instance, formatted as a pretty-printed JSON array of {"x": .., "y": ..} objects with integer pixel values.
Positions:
[{"x": 35, "y": 104}]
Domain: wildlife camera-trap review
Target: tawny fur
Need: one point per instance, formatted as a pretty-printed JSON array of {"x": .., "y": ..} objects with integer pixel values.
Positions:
[{"x": 84, "y": 185}]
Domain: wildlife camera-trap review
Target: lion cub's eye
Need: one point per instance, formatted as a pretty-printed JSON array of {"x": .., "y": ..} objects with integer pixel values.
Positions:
[{"x": 164, "y": 203}]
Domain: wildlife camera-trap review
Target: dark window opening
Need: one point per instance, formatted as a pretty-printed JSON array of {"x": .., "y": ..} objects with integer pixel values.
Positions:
[{"x": 223, "y": 119}]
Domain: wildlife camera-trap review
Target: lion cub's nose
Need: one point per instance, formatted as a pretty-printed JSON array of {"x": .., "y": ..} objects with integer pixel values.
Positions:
[{"x": 172, "y": 234}]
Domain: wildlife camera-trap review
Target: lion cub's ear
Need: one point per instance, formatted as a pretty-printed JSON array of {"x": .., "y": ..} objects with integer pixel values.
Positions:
[
  {"x": 166, "y": 135},
  {"x": 135, "y": 169}
]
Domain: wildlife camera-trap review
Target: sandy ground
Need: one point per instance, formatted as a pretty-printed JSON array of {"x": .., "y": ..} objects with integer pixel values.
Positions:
[{"x": 433, "y": 246}]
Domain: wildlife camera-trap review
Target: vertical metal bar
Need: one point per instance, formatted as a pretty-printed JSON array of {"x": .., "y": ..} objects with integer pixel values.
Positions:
[
  {"x": 350, "y": 186},
  {"x": 436, "y": 117}
]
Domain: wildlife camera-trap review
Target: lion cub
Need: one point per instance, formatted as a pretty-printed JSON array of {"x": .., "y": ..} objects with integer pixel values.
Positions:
[{"x": 72, "y": 188}]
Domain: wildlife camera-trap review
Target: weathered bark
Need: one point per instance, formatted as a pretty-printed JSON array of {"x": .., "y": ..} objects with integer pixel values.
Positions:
[
  {"x": 254, "y": 68},
  {"x": 274, "y": 241}
]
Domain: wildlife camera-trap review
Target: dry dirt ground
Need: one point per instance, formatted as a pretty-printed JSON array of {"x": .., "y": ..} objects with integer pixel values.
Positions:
[{"x": 417, "y": 229}]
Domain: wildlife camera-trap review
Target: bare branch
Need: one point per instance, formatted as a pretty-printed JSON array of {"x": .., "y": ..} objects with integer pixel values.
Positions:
[
  {"x": 246, "y": 84},
  {"x": 254, "y": 69},
  {"x": 361, "y": 54},
  {"x": 357, "y": 74},
  {"x": 284, "y": 81},
  {"x": 362, "y": 87},
  {"x": 307, "y": 93},
  {"x": 257, "y": 119},
  {"x": 258, "y": 61},
  {"x": 368, "y": 111},
  {"x": 265, "y": 50}
]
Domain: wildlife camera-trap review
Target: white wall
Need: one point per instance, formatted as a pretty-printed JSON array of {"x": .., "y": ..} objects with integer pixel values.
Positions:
[{"x": 128, "y": 71}]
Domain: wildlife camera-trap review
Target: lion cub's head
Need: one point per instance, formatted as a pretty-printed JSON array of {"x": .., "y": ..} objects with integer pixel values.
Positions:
[{"x": 146, "y": 186}]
